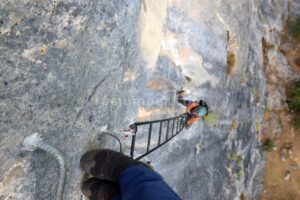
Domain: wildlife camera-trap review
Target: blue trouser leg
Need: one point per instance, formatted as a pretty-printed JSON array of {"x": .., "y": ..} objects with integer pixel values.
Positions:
[
  {"x": 183, "y": 102},
  {"x": 140, "y": 183}
]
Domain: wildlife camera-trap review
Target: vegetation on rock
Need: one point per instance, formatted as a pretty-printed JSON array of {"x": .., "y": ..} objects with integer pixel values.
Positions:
[
  {"x": 297, "y": 61},
  {"x": 294, "y": 28},
  {"x": 268, "y": 144},
  {"x": 294, "y": 103}
]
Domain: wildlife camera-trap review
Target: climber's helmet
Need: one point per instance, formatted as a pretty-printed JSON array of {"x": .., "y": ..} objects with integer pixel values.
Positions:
[{"x": 201, "y": 111}]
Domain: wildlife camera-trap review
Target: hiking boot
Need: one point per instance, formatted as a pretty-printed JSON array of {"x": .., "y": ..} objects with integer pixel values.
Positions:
[
  {"x": 95, "y": 189},
  {"x": 106, "y": 164}
]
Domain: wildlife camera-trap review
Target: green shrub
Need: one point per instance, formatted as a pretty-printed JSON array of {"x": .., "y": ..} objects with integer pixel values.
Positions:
[
  {"x": 296, "y": 122},
  {"x": 294, "y": 101},
  {"x": 189, "y": 79},
  {"x": 241, "y": 173},
  {"x": 234, "y": 156},
  {"x": 240, "y": 160},
  {"x": 297, "y": 61},
  {"x": 294, "y": 104},
  {"x": 294, "y": 28},
  {"x": 268, "y": 145}
]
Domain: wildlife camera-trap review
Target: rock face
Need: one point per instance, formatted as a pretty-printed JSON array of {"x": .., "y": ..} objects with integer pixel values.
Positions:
[
  {"x": 62, "y": 65},
  {"x": 68, "y": 68}
]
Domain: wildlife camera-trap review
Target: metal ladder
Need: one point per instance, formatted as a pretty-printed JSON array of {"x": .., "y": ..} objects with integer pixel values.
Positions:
[{"x": 173, "y": 126}]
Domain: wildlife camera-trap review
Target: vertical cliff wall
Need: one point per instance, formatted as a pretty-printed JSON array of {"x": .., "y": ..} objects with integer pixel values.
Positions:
[
  {"x": 68, "y": 68},
  {"x": 220, "y": 159}
]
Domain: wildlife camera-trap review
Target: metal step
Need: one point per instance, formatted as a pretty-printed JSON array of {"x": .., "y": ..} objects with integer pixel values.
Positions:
[{"x": 156, "y": 133}]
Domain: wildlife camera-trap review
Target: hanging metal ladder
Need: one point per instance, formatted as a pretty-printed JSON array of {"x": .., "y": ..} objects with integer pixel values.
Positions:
[{"x": 172, "y": 127}]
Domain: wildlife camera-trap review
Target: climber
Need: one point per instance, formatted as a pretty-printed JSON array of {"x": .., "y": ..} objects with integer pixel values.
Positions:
[
  {"x": 195, "y": 110},
  {"x": 114, "y": 176}
]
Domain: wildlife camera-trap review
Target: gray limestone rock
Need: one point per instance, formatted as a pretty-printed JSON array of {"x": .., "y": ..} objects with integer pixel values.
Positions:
[
  {"x": 276, "y": 98},
  {"x": 287, "y": 175},
  {"x": 68, "y": 68},
  {"x": 278, "y": 63},
  {"x": 294, "y": 166},
  {"x": 275, "y": 124}
]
